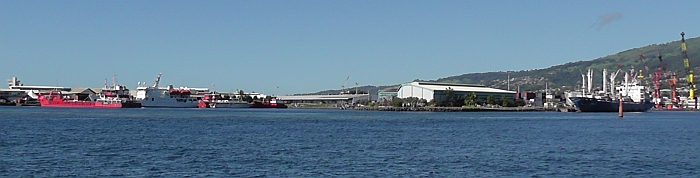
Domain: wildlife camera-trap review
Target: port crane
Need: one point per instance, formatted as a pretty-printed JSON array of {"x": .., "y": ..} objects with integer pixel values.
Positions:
[
  {"x": 688, "y": 72},
  {"x": 641, "y": 74},
  {"x": 657, "y": 83},
  {"x": 342, "y": 88},
  {"x": 672, "y": 83}
]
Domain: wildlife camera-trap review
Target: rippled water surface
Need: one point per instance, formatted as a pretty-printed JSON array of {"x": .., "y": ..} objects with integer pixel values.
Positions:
[{"x": 48, "y": 142}]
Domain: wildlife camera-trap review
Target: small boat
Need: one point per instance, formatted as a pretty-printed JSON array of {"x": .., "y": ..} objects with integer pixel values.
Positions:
[{"x": 216, "y": 100}]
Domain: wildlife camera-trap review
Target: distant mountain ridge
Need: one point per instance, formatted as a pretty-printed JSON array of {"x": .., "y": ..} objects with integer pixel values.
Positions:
[{"x": 568, "y": 76}]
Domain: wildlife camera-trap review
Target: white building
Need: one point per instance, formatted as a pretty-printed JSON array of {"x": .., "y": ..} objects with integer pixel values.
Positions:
[{"x": 432, "y": 90}]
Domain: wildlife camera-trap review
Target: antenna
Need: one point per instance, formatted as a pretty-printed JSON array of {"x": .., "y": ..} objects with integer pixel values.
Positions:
[{"x": 114, "y": 80}]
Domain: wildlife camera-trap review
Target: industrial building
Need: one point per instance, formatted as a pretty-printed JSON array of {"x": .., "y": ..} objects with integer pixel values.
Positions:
[
  {"x": 324, "y": 99},
  {"x": 385, "y": 96},
  {"x": 16, "y": 90},
  {"x": 433, "y": 90}
]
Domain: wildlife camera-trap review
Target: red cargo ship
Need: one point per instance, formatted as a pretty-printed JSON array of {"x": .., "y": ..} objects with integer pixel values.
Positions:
[
  {"x": 115, "y": 96},
  {"x": 56, "y": 99}
]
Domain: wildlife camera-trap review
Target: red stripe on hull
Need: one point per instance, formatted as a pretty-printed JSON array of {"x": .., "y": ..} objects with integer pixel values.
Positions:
[{"x": 59, "y": 103}]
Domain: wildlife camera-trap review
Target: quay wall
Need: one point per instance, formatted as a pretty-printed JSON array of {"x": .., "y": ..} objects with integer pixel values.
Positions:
[{"x": 457, "y": 109}]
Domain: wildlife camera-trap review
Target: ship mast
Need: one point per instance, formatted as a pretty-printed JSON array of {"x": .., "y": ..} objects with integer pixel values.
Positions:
[
  {"x": 590, "y": 81},
  {"x": 605, "y": 87}
]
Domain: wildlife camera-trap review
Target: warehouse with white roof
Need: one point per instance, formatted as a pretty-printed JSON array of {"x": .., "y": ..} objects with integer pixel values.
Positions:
[{"x": 432, "y": 90}]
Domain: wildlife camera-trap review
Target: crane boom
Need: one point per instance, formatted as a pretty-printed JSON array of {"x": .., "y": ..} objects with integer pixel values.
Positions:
[
  {"x": 657, "y": 83},
  {"x": 688, "y": 72},
  {"x": 641, "y": 74},
  {"x": 342, "y": 89}
]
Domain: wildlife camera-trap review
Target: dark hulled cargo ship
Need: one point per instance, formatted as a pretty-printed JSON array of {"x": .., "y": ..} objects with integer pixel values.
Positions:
[{"x": 585, "y": 104}]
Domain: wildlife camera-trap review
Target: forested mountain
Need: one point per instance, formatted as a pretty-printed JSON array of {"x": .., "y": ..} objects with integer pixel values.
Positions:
[{"x": 568, "y": 76}]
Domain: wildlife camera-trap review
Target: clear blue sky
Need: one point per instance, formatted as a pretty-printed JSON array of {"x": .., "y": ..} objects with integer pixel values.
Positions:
[{"x": 307, "y": 46}]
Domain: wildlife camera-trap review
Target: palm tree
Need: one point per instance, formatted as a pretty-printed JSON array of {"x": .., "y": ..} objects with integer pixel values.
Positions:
[
  {"x": 470, "y": 100},
  {"x": 449, "y": 94}
]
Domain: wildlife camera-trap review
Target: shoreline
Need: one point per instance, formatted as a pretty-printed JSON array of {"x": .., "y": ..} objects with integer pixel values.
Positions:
[{"x": 442, "y": 109}]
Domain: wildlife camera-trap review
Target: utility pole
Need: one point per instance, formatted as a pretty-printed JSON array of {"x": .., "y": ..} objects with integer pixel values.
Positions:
[
  {"x": 508, "y": 82},
  {"x": 546, "y": 90},
  {"x": 356, "y": 87}
]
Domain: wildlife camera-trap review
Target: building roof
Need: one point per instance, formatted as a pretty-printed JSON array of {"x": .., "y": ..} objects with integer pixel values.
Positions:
[
  {"x": 322, "y": 97},
  {"x": 391, "y": 89},
  {"x": 82, "y": 90},
  {"x": 458, "y": 87}
]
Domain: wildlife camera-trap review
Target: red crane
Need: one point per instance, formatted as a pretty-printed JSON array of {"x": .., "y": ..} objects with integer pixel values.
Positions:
[
  {"x": 657, "y": 83},
  {"x": 672, "y": 83}
]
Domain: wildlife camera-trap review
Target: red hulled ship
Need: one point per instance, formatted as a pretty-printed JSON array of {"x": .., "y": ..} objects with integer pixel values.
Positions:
[
  {"x": 273, "y": 103},
  {"x": 115, "y": 96}
]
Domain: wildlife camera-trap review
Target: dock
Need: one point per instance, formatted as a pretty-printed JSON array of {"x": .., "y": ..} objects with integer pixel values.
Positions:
[{"x": 458, "y": 109}]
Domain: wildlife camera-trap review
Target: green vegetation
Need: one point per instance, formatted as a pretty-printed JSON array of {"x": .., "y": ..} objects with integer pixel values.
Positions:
[
  {"x": 470, "y": 100},
  {"x": 567, "y": 76},
  {"x": 408, "y": 102},
  {"x": 244, "y": 97},
  {"x": 490, "y": 100}
]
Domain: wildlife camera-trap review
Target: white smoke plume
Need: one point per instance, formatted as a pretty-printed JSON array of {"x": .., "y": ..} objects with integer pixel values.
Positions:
[{"x": 606, "y": 19}]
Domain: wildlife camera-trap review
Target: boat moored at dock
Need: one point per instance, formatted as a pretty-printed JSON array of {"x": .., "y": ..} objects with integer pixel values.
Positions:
[
  {"x": 272, "y": 103},
  {"x": 115, "y": 96},
  {"x": 633, "y": 96},
  {"x": 168, "y": 97},
  {"x": 216, "y": 100}
]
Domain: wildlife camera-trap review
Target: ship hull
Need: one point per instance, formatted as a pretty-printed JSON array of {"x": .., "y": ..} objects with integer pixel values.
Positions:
[
  {"x": 257, "y": 104},
  {"x": 229, "y": 105},
  {"x": 595, "y": 105},
  {"x": 157, "y": 98},
  {"x": 87, "y": 104},
  {"x": 225, "y": 105},
  {"x": 150, "y": 104}
]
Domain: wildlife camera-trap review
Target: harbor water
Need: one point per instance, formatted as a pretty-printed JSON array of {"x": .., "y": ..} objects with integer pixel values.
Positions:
[{"x": 57, "y": 142}]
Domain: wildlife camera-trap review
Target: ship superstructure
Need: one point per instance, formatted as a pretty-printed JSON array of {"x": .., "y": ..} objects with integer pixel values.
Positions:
[{"x": 168, "y": 97}]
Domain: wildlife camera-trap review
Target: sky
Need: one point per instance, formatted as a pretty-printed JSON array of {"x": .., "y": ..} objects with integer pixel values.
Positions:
[{"x": 287, "y": 47}]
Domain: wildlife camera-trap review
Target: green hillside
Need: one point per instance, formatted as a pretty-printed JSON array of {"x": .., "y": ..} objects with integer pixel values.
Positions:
[{"x": 568, "y": 76}]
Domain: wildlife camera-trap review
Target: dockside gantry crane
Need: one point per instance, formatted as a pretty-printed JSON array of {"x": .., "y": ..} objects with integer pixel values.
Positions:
[
  {"x": 641, "y": 74},
  {"x": 657, "y": 83},
  {"x": 672, "y": 83},
  {"x": 688, "y": 72}
]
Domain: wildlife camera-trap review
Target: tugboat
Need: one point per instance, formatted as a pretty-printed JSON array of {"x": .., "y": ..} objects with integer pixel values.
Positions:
[
  {"x": 216, "y": 100},
  {"x": 273, "y": 103}
]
